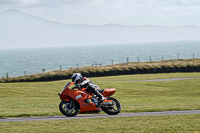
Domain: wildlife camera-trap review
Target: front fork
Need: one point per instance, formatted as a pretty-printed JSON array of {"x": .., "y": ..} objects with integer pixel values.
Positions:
[
  {"x": 69, "y": 106},
  {"x": 70, "y": 103}
]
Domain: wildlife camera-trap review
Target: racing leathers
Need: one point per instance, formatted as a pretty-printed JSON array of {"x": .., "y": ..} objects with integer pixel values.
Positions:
[{"x": 92, "y": 88}]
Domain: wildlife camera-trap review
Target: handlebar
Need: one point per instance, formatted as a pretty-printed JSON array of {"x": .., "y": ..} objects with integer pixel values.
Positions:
[
  {"x": 77, "y": 86},
  {"x": 73, "y": 87}
]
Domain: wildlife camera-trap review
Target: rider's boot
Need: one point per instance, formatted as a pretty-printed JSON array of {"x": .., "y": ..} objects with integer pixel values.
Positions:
[{"x": 101, "y": 97}]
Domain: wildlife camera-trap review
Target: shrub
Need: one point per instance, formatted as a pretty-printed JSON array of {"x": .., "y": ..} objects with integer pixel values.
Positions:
[
  {"x": 85, "y": 72},
  {"x": 113, "y": 71},
  {"x": 30, "y": 78},
  {"x": 140, "y": 69},
  {"x": 127, "y": 71},
  {"x": 120, "y": 71},
  {"x": 92, "y": 70},
  {"x": 99, "y": 72},
  {"x": 158, "y": 67},
  {"x": 106, "y": 72},
  {"x": 132, "y": 68},
  {"x": 92, "y": 73},
  {"x": 183, "y": 65}
]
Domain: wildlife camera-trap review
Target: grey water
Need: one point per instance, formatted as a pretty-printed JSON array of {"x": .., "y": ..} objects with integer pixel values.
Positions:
[{"x": 17, "y": 62}]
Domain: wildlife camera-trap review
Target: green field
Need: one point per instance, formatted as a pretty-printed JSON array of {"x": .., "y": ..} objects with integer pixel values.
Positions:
[{"x": 41, "y": 99}]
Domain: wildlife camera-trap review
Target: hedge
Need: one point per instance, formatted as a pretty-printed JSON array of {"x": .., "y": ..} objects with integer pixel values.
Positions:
[{"x": 108, "y": 72}]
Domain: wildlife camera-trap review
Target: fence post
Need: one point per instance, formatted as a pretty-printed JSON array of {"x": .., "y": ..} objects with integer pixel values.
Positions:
[
  {"x": 43, "y": 70},
  {"x": 150, "y": 58},
  {"x": 6, "y": 75},
  {"x": 162, "y": 57},
  {"x": 112, "y": 62},
  {"x": 24, "y": 73},
  {"x": 77, "y": 65},
  {"x": 60, "y": 67},
  {"x": 138, "y": 59},
  {"x": 193, "y": 57},
  {"x": 127, "y": 60},
  {"x": 178, "y": 56}
]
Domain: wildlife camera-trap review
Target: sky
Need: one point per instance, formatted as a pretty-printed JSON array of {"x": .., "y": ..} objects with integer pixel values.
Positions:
[{"x": 100, "y": 12}]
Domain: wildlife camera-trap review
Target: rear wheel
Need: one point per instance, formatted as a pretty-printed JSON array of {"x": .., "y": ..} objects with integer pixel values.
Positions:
[
  {"x": 68, "y": 110},
  {"x": 113, "y": 110}
]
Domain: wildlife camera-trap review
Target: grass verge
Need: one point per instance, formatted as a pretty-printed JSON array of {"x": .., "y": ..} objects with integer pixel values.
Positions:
[{"x": 156, "y": 124}]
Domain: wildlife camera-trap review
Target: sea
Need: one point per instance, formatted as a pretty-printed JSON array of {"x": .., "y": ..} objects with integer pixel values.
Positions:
[{"x": 27, "y": 61}]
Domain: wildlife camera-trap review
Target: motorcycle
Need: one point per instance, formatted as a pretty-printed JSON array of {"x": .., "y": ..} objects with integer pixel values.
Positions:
[{"x": 81, "y": 101}]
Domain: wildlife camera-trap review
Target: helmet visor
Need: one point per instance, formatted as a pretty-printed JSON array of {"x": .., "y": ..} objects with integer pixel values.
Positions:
[
  {"x": 73, "y": 79},
  {"x": 76, "y": 81}
]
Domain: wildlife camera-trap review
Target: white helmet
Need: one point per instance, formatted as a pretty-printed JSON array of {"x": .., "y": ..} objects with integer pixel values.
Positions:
[{"x": 76, "y": 77}]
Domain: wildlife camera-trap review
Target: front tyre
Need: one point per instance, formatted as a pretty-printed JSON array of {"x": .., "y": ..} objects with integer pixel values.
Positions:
[
  {"x": 115, "y": 109},
  {"x": 68, "y": 110}
]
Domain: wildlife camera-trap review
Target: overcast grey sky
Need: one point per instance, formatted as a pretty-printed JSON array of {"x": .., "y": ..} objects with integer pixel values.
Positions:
[{"x": 99, "y": 12}]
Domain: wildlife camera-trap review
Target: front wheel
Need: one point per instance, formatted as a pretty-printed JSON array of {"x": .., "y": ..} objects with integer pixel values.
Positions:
[
  {"x": 68, "y": 110},
  {"x": 113, "y": 110}
]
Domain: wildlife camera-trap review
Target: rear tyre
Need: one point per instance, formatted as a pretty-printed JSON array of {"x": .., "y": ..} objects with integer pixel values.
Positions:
[
  {"x": 115, "y": 109},
  {"x": 68, "y": 111}
]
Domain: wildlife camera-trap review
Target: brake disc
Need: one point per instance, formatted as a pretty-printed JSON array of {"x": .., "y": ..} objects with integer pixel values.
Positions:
[{"x": 66, "y": 107}]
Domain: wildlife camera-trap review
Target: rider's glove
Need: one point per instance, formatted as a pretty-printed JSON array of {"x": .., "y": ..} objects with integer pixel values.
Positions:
[{"x": 78, "y": 86}]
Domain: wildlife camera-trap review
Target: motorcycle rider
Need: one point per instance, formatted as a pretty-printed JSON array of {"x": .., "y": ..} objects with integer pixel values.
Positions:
[{"x": 83, "y": 82}]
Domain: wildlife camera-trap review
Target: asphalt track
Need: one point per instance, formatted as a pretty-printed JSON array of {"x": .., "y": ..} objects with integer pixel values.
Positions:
[
  {"x": 172, "y": 79},
  {"x": 100, "y": 116},
  {"x": 105, "y": 115}
]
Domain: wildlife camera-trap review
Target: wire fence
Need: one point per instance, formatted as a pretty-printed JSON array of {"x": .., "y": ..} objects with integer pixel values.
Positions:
[{"x": 112, "y": 62}]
